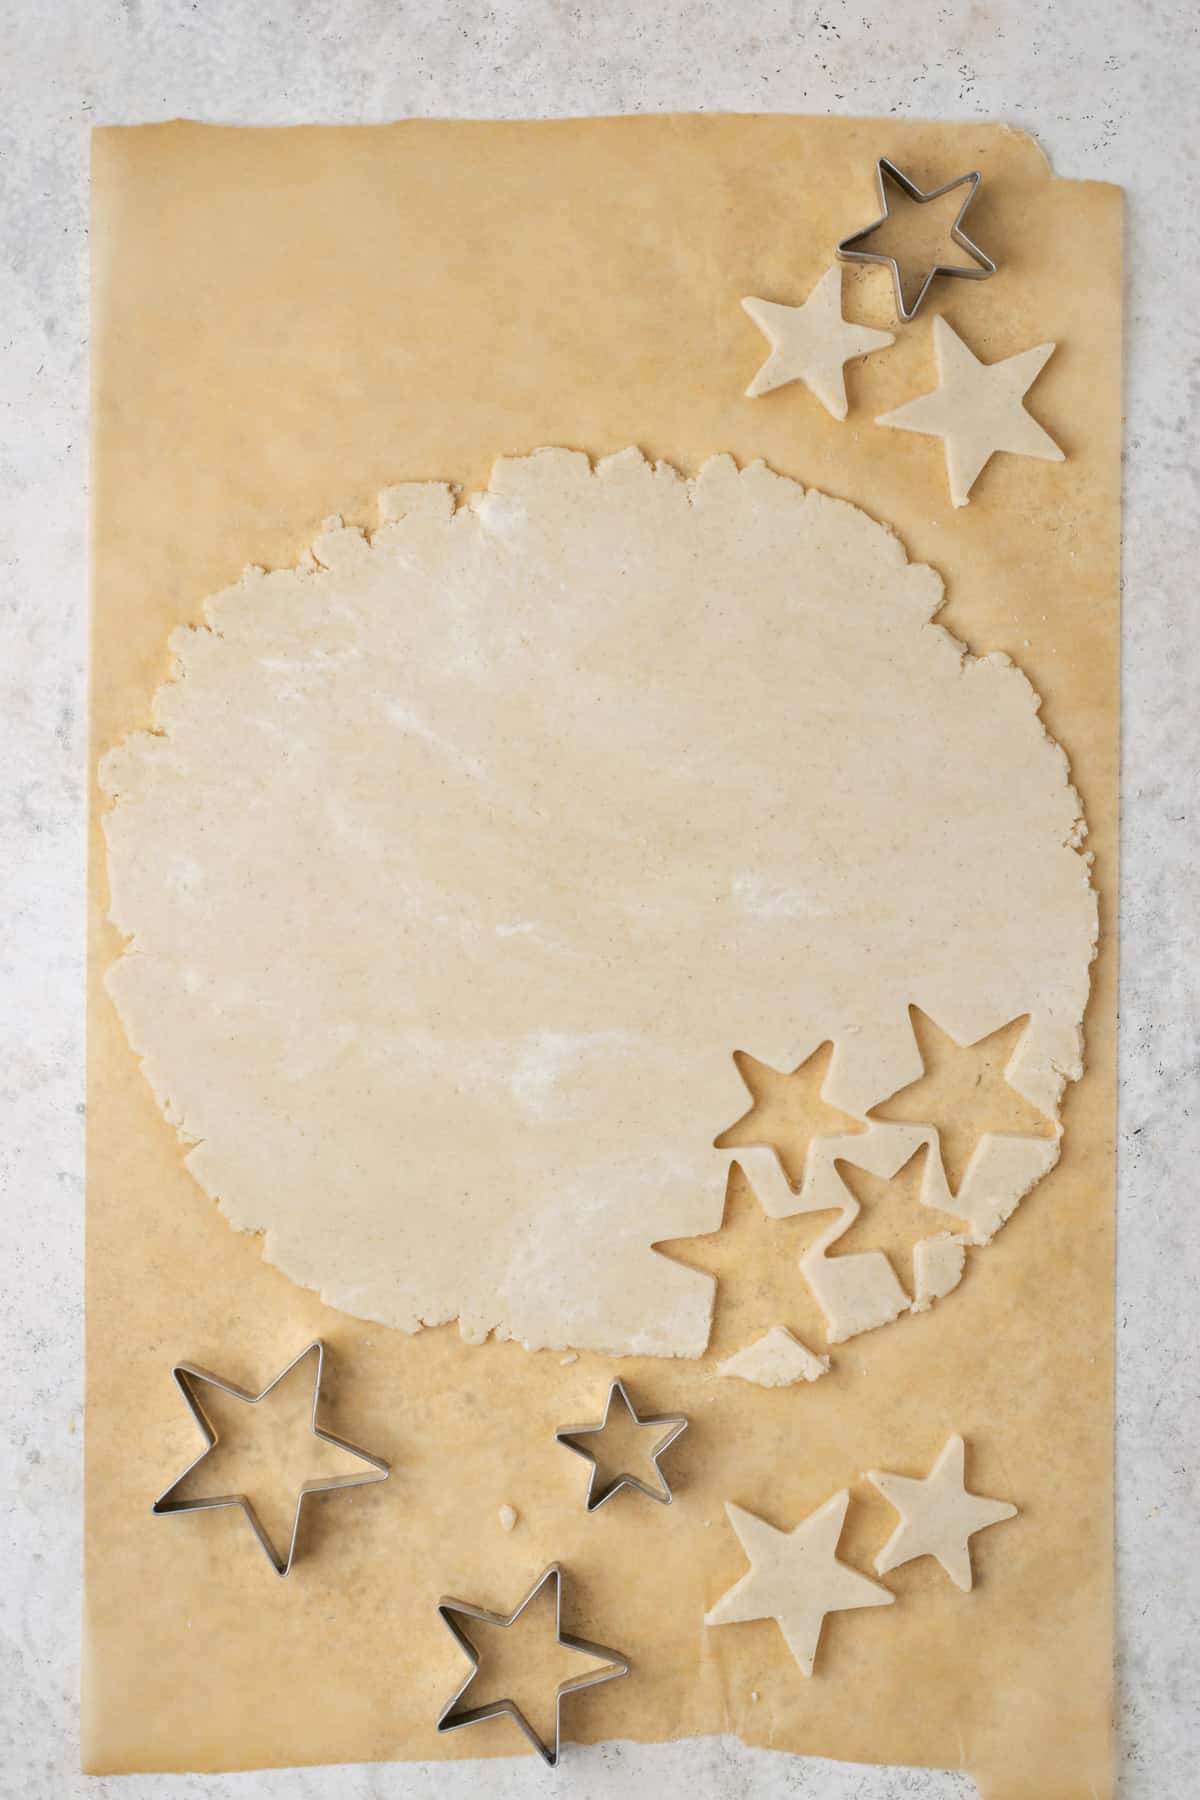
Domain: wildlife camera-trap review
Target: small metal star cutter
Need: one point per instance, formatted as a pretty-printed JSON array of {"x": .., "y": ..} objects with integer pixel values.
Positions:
[
  {"x": 452, "y": 1610},
  {"x": 186, "y": 1374},
  {"x": 673, "y": 1424},
  {"x": 886, "y": 171}
]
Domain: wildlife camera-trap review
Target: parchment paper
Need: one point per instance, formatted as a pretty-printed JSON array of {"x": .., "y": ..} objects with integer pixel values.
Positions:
[{"x": 286, "y": 322}]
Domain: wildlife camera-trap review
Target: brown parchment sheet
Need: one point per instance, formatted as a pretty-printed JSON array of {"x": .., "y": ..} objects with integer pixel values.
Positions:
[{"x": 285, "y": 322}]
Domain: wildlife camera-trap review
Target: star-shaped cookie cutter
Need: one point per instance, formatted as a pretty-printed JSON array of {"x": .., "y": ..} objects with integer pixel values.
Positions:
[
  {"x": 185, "y": 1375},
  {"x": 885, "y": 171},
  {"x": 451, "y": 1610},
  {"x": 673, "y": 1423}
]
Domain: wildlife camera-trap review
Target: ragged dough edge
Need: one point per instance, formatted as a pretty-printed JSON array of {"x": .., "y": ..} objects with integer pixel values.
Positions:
[
  {"x": 937, "y": 1268},
  {"x": 1042, "y": 1080},
  {"x": 861, "y": 1290}
]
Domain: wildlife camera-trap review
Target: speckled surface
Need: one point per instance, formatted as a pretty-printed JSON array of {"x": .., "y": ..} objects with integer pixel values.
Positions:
[{"x": 1103, "y": 85}]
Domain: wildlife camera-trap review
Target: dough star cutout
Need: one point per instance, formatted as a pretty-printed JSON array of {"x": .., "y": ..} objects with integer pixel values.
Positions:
[
  {"x": 666, "y": 1428},
  {"x": 976, "y": 408},
  {"x": 795, "y": 1577},
  {"x": 812, "y": 343},
  {"x": 188, "y": 1379},
  {"x": 938, "y": 1517}
]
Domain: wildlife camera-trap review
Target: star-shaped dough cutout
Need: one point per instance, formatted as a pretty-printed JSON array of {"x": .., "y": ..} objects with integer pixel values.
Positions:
[
  {"x": 795, "y": 1577},
  {"x": 964, "y": 1093},
  {"x": 755, "y": 1261},
  {"x": 269, "y": 1447},
  {"x": 788, "y": 1110},
  {"x": 812, "y": 343},
  {"x": 618, "y": 1444},
  {"x": 893, "y": 1218},
  {"x": 976, "y": 409},
  {"x": 938, "y": 1517}
]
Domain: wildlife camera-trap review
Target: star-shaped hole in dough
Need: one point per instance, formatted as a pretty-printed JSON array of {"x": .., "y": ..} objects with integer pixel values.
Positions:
[
  {"x": 788, "y": 1110},
  {"x": 795, "y": 1577},
  {"x": 812, "y": 343},
  {"x": 964, "y": 1093},
  {"x": 976, "y": 408},
  {"x": 265, "y": 1452},
  {"x": 755, "y": 1261},
  {"x": 524, "y": 1665},
  {"x": 624, "y": 1449},
  {"x": 938, "y": 1517},
  {"x": 892, "y": 1218}
]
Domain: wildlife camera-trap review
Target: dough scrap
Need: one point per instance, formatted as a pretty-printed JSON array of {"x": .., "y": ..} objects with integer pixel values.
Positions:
[
  {"x": 462, "y": 857},
  {"x": 938, "y": 1264},
  {"x": 777, "y": 1359}
]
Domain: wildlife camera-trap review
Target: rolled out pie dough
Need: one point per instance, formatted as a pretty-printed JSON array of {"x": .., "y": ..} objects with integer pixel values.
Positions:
[{"x": 461, "y": 858}]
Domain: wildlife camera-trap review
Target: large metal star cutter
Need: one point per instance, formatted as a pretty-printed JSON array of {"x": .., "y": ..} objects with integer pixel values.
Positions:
[
  {"x": 187, "y": 1378},
  {"x": 452, "y": 1611},
  {"x": 669, "y": 1427},
  {"x": 850, "y": 249}
]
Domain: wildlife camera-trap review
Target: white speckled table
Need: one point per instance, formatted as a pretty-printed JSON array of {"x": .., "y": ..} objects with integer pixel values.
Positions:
[{"x": 1104, "y": 86}]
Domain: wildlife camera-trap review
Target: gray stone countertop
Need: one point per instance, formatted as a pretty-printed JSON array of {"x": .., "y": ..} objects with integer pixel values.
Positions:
[{"x": 1109, "y": 90}]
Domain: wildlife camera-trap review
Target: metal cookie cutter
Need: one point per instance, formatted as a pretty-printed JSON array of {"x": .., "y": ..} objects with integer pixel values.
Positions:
[
  {"x": 185, "y": 1375},
  {"x": 672, "y": 1423},
  {"x": 887, "y": 171},
  {"x": 452, "y": 1610}
]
